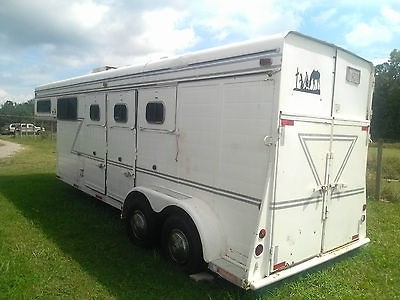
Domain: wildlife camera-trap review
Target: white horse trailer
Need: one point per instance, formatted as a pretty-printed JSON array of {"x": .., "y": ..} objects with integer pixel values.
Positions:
[{"x": 248, "y": 158}]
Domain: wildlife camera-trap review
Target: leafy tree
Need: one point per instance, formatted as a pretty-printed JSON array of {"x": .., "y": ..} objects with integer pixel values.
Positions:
[
  {"x": 11, "y": 112},
  {"x": 386, "y": 101}
]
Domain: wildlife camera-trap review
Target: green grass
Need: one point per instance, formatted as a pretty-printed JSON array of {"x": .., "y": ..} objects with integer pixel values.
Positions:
[{"x": 55, "y": 242}]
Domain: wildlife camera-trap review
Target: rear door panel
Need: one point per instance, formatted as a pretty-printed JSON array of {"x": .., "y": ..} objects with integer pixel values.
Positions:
[
  {"x": 320, "y": 188},
  {"x": 298, "y": 205},
  {"x": 347, "y": 181}
]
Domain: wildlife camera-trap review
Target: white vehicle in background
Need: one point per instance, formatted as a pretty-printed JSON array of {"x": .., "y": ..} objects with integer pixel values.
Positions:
[
  {"x": 249, "y": 157},
  {"x": 9, "y": 129},
  {"x": 27, "y": 128}
]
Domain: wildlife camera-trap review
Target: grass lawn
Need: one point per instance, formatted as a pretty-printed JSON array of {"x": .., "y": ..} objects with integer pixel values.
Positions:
[{"x": 56, "y": 242}]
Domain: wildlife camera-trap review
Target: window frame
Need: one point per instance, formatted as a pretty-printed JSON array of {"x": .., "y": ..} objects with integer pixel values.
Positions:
[
  {"x": 67, "y": 109},
  {"x": 39, "y": 104},
  {"x": 153, "y": 114},
  {"x": 125, "y": 120},
  {"x": 98, "y": 112}
]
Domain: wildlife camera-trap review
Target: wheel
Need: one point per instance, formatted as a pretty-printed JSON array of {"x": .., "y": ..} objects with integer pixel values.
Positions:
[
  {"x": 141, "y": 224},
  {"x": 181, "y": 243}
]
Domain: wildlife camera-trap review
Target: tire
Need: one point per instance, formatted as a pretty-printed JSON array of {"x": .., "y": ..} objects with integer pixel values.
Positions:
[
  {"x": 141, "y": 224},
  {"x": 181, "y": 243}
]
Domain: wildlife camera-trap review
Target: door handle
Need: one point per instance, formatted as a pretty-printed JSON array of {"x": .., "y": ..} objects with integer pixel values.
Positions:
[{"x": 129, "y": 174}]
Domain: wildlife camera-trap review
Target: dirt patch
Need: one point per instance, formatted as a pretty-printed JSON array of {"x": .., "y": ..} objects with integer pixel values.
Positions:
[{"x": 7, "y": 148}]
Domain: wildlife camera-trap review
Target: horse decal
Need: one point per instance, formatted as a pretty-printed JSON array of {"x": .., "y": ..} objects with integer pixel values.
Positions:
[{"x": 308, "y": 83}]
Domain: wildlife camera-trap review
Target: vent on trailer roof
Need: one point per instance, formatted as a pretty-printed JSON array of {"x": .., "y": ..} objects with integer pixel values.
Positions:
[{"x": 104, "y": 68}]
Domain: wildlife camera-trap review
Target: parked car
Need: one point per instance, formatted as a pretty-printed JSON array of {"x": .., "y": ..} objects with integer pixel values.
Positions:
[
  {"x": 28, "y": 128},
  {"x": 10, "y": 128}
]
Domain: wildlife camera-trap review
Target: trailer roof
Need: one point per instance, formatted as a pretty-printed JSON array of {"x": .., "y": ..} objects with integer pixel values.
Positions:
[{"x": 273, "y": 43}]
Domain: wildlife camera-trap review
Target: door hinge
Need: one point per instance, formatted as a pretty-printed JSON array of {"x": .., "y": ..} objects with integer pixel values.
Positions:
[{"x": 329, "y": 155}]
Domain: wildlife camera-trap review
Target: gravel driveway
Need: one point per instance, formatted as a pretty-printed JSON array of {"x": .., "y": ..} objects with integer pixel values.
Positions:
[{"x": 8, "y": 148}]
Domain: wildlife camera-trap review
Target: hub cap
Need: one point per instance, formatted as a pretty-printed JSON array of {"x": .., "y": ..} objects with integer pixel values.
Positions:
[
  {"x": 139, "y": 225},
  {"x": 178, "y": 246}
]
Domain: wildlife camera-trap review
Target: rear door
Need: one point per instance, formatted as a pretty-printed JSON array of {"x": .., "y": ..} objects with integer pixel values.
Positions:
[
  {"x": 344, "y": 206},
  {"x": 301, "y": 175},
  {"x": 121, "y": 143},
  {"x": 320, "y": 188}
]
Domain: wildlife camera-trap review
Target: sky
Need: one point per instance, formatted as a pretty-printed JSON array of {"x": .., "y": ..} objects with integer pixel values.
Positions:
[{"x": 43, "y": 41}]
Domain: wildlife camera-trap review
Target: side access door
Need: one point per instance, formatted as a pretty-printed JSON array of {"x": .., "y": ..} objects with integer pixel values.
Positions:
[
  {"x": 93, "y": 142},
  {"x": 121, "y": 143}
]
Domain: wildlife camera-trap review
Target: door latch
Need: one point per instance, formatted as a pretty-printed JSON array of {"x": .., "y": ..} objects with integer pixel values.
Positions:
[
  {"x": 268, "y": 140},
  {"x": 129, "y": 174},
  {"x": 321, "y": 188}
]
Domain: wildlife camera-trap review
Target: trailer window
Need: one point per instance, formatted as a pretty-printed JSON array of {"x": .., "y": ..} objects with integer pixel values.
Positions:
[
  {"x": 67, "y": 109},
  {"x": 120, "y": 113},
  {"x": 95, "y": 112},
  {"x": 155, "y": 112},
  {"x": 43, "y": 106}
]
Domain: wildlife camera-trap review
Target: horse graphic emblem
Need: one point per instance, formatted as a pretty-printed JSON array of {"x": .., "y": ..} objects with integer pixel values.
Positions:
[{"x": 308, "y": 83}]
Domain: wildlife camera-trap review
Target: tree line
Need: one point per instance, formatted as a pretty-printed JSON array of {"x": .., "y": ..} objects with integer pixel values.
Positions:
[
  {"x": 385, "y": 122},
  {"x": 12, "y": 112},
  {"x": 386, "y": 102}
]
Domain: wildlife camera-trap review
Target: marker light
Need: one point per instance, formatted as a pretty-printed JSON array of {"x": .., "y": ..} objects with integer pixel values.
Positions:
[
  {"x": 259, "y": 249},
  {"x": 265, "y": 62},
  {"x": 279, "y": 266},
  {"x": 262, "y": 233},
  {"x": 287, "y": 122}
]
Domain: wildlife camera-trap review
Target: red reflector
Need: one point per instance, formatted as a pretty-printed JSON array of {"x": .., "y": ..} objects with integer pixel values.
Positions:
[
  {"x": 287, "y": 122},
  {"x": 354, "y": 237},
  {"x": 99, "y": 197},
  {"x": 364, "y": 128},
  {"x": 280, "y": 266},
  {"x": 262, "y": 233},
  {"x": 364, "y": 207},
  {"x": 227, "y": 275},
  {"x": 259, "y": 249}
]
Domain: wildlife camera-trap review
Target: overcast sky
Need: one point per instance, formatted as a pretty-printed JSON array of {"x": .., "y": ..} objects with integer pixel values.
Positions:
[{"x": 42, "y": 41}]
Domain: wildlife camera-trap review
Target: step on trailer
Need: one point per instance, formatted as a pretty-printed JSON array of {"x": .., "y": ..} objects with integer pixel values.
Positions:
[{"x": 248, "y": 158}]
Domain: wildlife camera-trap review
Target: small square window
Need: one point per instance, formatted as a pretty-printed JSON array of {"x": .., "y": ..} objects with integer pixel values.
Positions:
[
  {"x": 95, "y": 112},
  {"x": 120, "y": 113},
  {"x": 67, "y": 109},
  {"x": 43, "y": 106},
  {"x": 353, "y": 75},
  {"x": 155, "y": 112}
]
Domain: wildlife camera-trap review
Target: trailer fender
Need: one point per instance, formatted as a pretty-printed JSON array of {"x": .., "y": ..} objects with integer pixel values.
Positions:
[{"x": 207, "y": 222}]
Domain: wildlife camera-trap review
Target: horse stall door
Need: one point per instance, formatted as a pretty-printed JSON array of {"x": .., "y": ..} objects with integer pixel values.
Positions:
[
  {"x": 121, "y": 143},
  {"x": 93, "y": 142}
]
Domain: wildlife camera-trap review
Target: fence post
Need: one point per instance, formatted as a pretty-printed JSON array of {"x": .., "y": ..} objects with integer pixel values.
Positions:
[{"x": 379, "y": 170}]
